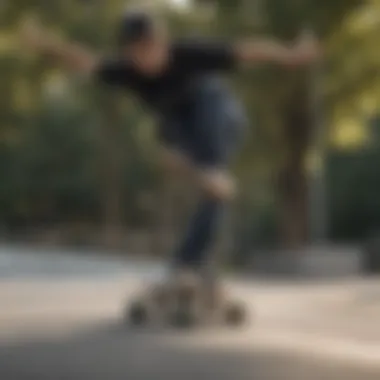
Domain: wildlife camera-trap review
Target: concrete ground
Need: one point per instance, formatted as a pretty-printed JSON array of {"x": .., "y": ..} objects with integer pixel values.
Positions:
[{"x": 60, "y": 318}]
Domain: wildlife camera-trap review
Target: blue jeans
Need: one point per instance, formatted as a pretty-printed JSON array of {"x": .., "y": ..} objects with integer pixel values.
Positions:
[{"x": 207, "y": 130}]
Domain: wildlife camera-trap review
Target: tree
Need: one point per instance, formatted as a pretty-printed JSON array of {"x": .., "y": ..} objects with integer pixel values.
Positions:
[
  {"x": 29, "y": 78},
  {"x": 282, "y": 100}
]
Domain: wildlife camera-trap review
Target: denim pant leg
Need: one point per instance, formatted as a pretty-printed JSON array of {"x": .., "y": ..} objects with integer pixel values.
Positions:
[{"x": 214, "y": 137}]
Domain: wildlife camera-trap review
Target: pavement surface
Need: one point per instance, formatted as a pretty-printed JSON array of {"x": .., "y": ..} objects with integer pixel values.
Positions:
[{"x": 60, "y": 318}]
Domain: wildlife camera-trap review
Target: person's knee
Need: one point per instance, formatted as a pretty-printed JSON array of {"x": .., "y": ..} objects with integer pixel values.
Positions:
[
  {"x": 218, "y": 184},
  {"x": 172, "y": 161}
]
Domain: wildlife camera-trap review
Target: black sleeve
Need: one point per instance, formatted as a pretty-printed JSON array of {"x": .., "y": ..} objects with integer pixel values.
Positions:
[
  {"x": 207, "y": 55},
  {"x": 109, "y": 72}
]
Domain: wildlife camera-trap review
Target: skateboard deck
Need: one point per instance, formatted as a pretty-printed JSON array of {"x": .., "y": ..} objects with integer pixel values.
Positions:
[{"x": 184, "y": 305}]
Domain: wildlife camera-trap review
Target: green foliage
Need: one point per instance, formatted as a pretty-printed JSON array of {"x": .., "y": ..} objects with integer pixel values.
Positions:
[
  {"x": 54, "y": 156},
  {"x": 50, "y": 169},
  {"x": 282, "y": 101},
  {"x": 354, "y": 185}
]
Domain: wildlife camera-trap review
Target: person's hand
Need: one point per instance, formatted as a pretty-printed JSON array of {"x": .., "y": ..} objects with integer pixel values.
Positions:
[
  {"x": 307, "y": 50},
  {"x": 33, "y": 36}
]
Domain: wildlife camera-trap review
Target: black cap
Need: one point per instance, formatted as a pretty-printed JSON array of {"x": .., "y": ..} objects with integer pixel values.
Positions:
[{"x": 134, "y": 27}]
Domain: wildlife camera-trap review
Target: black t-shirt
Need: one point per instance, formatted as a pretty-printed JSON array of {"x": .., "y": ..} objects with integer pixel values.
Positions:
[{"x": 190, "y": 62}]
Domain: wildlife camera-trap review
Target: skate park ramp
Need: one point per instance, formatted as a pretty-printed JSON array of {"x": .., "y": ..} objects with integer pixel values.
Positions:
[{"x": 60, "y": 319}]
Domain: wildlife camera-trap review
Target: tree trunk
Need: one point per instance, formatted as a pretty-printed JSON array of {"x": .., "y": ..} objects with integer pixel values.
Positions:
[
  {"x": 293, "y": 186},
  {"x": 293, "y": 204},
  {"x": 111, "y": 158}
]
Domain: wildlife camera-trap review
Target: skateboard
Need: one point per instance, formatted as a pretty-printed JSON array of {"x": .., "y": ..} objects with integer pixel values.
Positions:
[{"x": 184, "y": 304}]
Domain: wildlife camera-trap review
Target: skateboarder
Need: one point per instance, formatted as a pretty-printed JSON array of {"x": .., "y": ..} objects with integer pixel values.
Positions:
[{"x": 200, "y": 122}]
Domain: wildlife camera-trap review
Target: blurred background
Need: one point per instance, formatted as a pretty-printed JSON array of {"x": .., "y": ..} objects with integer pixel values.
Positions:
[
  {"x": 76, "y": 173},
  {"x": 75, "y": 166}
]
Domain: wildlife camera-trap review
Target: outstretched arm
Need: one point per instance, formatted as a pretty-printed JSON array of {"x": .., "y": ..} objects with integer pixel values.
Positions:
[
  {"x": 72, "y": 56},
  {"x": 222, "y": 56},
  {"x": 305, "y": 51}
]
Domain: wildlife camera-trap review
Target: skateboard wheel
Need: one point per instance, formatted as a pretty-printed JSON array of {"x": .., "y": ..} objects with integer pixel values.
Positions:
[
  {"x": 137, "y": 314},
  {"x": 235, "y": 315}
]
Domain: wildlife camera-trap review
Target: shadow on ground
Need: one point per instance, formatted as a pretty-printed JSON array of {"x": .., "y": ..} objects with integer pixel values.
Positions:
[{"x": 110, "y": 352}]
